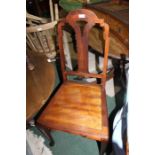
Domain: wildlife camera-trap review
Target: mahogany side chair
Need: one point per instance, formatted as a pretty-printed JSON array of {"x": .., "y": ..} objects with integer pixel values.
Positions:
[{"x": 77, "y": 107}]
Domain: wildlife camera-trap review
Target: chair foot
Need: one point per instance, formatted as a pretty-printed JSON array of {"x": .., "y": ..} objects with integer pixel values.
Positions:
[
  {"x": 46, "y": 133},
  {"x": 102, "y": 147},
  {"x": 52, "y": 143}
]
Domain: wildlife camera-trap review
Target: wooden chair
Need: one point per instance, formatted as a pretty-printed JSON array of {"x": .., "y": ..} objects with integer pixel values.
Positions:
[
  {"x": 77, "y": 107},
  {"x": 40, "y": 39},
  {"x": 40, "y": 33},
  {"x": 32, "y": 20},
  {"x": 35, "y": 20}
]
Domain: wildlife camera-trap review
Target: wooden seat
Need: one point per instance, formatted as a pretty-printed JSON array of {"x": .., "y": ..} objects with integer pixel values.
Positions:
[{"x": 78, "y": 107}]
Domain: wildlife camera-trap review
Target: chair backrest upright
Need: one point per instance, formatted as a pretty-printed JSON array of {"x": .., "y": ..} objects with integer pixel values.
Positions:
[
  {"x": 91, "y": 20},
  {"x": 40, "y": 38},
  {"x": 32, "y": 20},
  {"x": 40, "y": 33}
]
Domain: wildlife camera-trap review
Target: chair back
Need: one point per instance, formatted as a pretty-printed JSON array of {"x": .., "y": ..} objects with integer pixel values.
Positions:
[
  {"x": 40, "y": 33},
  {"x": 32, "y": 20},
  {"x": 40, "y": 38},
  {"x": 81, "y": 37}
]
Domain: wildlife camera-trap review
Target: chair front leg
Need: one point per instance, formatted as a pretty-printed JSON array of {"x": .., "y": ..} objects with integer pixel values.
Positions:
[
  {"x": 102, "y": 147},
  {"x": 46, "y": 133}
]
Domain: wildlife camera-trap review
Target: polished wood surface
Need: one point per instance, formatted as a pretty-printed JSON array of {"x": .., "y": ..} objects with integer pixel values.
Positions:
[
  {"x": 82, "y": 41},
  {"x": 40, "y": 83},
  {"x": 80, "y": 108},
  {"x": 117, "y": 16},
  {"x": 77, "y": 108}
]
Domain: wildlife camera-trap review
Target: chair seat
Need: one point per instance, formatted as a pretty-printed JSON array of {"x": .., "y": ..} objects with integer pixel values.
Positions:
[{"x": 77, "y": 108}]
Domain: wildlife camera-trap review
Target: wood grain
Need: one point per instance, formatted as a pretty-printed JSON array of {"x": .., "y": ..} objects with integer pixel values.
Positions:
[
  {"x": 77, "y": 106},
  {"x": 39, "y": 84},
  {"x": 117, "y": 16},
  {"x": 80, "y": 108},
  {"x": 40, "y": 39}
]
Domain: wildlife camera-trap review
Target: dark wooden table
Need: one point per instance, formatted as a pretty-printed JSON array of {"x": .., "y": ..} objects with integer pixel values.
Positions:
[
  {"x": 40, "y": 83},
  {"x": 117, "y": 16}
]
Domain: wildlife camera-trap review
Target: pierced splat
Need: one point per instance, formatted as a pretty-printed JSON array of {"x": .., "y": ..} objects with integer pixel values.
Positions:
[
  {"x": 82, "y": 25},
  {"x": 82, "y": 21}
]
